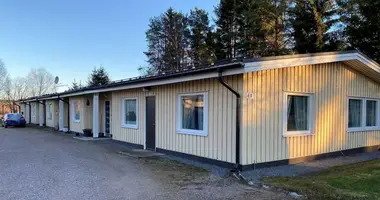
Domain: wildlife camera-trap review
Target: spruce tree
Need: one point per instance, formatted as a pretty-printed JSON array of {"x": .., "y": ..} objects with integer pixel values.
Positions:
[
  {"x": 74, "y": 85},
  {"x": 98, "y": 77}
]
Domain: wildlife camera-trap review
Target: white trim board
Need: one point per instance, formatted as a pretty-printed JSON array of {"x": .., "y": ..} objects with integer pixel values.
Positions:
[{"x": 310, "y": 60}]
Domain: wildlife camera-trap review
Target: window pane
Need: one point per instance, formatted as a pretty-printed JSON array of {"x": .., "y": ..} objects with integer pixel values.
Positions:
[
  {"x": 371, "y": 113},
  {"x": 77, "y": 110},
  {"x": 298, "y": 113},
  {"x": 354, "y": 113},
  {"x": 130, "y": 111},
  {"x": 49, "y": 114},
  {"x": 192, "y": 112}
]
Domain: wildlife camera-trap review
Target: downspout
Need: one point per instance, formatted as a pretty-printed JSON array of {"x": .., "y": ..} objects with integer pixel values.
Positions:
[
  {"x": 68, "y": 113},
  {"x": 238, "y": 166}
]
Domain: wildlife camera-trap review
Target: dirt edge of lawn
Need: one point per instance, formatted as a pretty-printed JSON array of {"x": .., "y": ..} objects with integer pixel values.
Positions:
[{"x": 354, "y": 181}]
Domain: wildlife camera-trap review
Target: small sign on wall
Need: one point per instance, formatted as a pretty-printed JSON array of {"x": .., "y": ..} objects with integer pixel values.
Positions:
[{"x": 249, "y": 95}]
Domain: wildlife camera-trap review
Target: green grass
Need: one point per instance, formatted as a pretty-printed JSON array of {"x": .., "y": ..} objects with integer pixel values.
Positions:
[{"x": 355, "y": 181}]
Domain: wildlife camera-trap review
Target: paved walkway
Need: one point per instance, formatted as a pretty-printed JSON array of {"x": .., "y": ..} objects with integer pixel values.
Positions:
[
  {"x": 308, "y": 167},
  {"x": 41, "y": 164}
]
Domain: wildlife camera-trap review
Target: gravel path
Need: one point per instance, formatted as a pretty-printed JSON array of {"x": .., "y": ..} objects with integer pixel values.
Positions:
[
  {"x": 308, "y": 167},
  {"x": 40, "y": 164}
]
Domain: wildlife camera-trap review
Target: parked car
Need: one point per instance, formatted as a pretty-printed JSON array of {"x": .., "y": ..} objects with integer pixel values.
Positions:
[{"x": 13, "y": 119}]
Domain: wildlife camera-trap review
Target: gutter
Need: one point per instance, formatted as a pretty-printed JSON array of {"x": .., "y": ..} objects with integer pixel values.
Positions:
[
  {"x": 68, "y": 113},
  {"x": 238, "y": 166}
]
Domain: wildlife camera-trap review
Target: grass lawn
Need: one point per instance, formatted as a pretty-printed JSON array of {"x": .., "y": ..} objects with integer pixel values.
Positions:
[{"x": 355, "y": 181}]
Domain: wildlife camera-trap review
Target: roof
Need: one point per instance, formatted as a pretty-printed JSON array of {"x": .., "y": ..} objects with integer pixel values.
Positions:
[{"x": 354, "y": 59}]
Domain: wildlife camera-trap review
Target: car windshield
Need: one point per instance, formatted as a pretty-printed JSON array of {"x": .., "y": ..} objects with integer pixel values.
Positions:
[{"x": 14, "y": 116}]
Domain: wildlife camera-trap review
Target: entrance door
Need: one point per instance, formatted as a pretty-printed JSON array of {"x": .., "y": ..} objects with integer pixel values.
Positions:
[
  {"x": 150, "y": 123},
  {"x": 107, "y": 117}
]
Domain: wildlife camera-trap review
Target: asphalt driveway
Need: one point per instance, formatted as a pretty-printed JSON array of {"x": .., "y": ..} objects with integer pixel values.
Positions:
[{"x": 41, "y": 164}]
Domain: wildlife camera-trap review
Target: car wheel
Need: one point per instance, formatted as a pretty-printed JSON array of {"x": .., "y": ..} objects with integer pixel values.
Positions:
[{"x": 5, "y": 126}]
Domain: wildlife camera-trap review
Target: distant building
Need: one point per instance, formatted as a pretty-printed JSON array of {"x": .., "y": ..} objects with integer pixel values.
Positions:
[{"x": 6, "y": 107}]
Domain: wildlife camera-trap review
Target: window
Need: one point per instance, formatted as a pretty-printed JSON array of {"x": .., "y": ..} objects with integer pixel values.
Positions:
[
  {"x": 130, "y": 113},
  {"x": 76, "y": 111},
  {"x": 298, "y": 114},
  {"x": 363, "y": 114},
  {"x": 192, "y": 114},
  {"x": 355, "y": 109},
  {"x": 49, "y": 114},
  {"x": 371, "y": 110}
]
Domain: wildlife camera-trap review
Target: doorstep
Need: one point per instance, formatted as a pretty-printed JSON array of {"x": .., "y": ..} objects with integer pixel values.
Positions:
[
  {"x": 139, "y": 153},
  {"x": 91, "y": 138}
]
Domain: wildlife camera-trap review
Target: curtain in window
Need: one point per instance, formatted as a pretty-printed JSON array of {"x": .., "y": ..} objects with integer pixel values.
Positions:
[
  {"x": 130, "y": 111},
  {"x": 297, "y": 113},
  {"x": 354, "y": 113},
  {"x": 371, "y": 113},
  {"x": 192, "y": 112},
  {"x": 77, "y": 110}
]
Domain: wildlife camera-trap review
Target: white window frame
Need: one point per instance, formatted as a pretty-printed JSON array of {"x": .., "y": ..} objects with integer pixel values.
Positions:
[
  {"x": 363, "y": 126},
  {"x": 311, "y": 115},
  {"x": 123, "y": 124},
  {"x": 73, "y": 111},
  {"x": 180, "y": 130}
]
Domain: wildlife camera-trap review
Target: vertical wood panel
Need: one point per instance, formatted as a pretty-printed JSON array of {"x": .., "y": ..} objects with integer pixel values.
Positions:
[
  {"x": 220, "y": 142},
  {"x": 330, "y": 84}
]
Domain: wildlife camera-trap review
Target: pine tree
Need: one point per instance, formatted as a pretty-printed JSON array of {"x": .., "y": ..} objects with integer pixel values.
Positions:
[
  {"x": 274, "y": 26},
  {"x": 362, "y": 21},
  {"x": 201, "y": 50},
  {"x": 168, "y": 43},
  {"x": 312, "y": 22},
  {"x": 251, "y": 42},
  {"x": 252, "y": 28},
  {"x": 227, "y": 28},
  {"x": 98, "y": 77}
]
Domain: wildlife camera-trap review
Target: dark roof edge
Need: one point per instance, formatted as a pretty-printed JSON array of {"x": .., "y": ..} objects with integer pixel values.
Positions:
[{"x": 152, "y": 78}]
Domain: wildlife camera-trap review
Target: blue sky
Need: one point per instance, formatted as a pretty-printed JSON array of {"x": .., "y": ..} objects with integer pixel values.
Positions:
[{"x": 70, "y": 37}]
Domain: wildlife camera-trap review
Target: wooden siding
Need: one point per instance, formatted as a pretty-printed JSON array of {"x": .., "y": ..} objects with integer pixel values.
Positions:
[
  {"x": 118, "y": 132},
  {"x": 53, "y": 122},
  {"x": 85, "y": 114},
  {"x": 331, "y": 84},
  {"x": 23, "y": 109},
  {"x": 220, "y": 142}
]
